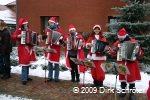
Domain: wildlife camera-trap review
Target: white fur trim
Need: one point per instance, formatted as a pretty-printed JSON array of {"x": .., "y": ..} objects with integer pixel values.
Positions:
[
  {"x": 54, "y": 62},
  {"x": 130, "y": 82},
  {"x": 121, "y": 36},
  {"x": 97, "y": 37},
  {"x": 24, "y": 64},
  {"x": 24, "y": 22},
  {"x": 72, "y": 29},
  {"x": 32, "y": 62},
  {"x": 51, "y": 21},
  {"x": 96, "y": 26},
  {"x": 94, "y": 57}
]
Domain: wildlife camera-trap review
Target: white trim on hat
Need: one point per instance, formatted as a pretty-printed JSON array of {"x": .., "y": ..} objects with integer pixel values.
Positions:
[
  {"x": 72, "y": 29},
  {"x": 24, "y": 22},
  {"x": 96, "y": 26},
  {"x": 121, "y": 36},
  {"x": 51, "y": 21}
]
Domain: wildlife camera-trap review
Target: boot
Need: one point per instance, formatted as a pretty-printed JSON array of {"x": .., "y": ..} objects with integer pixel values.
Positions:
[
  {"x": 72, "y": 77},
  {"x": 132, "y": 91},
  {"x": 123, "y": 92},
  {"x": 6, "y": 74},
  {"x": 94, "y": 83},
  {"x": 77, "y": 78},
  {"x": 100, "y": 87}
]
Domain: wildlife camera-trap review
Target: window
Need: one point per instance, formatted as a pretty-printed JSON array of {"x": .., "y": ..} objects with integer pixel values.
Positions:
[
  {"x": 113, "y": 20},
  {"x": 44, "y": 22}
]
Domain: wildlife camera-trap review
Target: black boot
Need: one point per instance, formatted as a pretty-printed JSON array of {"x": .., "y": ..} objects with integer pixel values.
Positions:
[
  {"x": 131, "y": 91},
  {"x": 100, "y": 83},
  {"x": 6, "y": 74},
  {"x": 123, "y": 92},
  {"x": 77, "y": 78},
  {"x": 72, "y": 77},
  {"x": 100, "y": 87},
  {"x": 95, "y": 83}
]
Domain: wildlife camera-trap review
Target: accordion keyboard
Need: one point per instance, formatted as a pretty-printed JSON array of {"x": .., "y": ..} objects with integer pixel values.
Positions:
[
  {"x": 93, "y": 48},
  {"x": 119, "y": 53},
  {"x": 69, "y": 46},
  {"x": 23, "y": 33}
]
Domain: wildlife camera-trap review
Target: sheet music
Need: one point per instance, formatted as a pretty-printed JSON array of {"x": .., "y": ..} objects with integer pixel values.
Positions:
[
  {"x": 114, "y": 67},
  {"x": 44, "y": 49},
  {"x": 108, "y": 67},
  {"x": 83, "y": 62},
  {"x": 122, "y": 69}
]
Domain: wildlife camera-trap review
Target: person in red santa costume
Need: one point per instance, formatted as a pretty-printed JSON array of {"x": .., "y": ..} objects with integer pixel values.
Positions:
[
  {"x": 133, "y": 66},
  {"x": 74, "y": 53},
  {"x": 25, "y": 52},
  {"x": 53, "y": 58},
  {"x": 98, "y": 74}
]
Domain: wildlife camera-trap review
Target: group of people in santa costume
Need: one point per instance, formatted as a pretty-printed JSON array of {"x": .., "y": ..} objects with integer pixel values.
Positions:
[{"x": 27, "y": 55}]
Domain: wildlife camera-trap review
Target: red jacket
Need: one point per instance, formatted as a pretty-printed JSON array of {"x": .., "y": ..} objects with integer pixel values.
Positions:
[
  {"x": 133, "y": 66},
  {"x": 54, "y": 57},
  {"x": 80, "y": 54}
]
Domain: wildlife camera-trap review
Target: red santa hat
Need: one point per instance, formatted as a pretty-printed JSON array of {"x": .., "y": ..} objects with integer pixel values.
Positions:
[
  {"x": 96, "y": 25},
  {"x": 53, "y": 19},
  {"x": 71, "y": 27},
  {"x": 22, "y": 21},
  {"x": 122, "y": 33}
]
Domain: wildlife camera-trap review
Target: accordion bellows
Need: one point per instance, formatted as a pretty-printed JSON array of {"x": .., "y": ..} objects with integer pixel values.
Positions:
[
  {"x": 98, "y": 46},
  {"x": 127, "y": 51}
]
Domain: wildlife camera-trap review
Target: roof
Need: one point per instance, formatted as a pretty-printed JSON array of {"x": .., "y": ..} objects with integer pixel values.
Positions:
[
  {"x": 5, "y": 2},
  {"x": 7, "y": 15},
  {"x": 11, "y": 3}
]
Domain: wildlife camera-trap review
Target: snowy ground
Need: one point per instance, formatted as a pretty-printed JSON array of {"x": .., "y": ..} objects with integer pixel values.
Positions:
[{"x": 65, "y": 75}]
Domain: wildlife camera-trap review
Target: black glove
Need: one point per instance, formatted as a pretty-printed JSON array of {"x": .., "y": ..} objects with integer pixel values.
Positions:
[
  {"x": 61, "y": 41},
  {"x": 115, "y": 49},
  {"x": 44, "y": 37},
  {"x": 137, "y": 55}
]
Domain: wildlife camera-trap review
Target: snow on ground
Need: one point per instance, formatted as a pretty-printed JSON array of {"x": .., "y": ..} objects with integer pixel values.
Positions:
[{"x": 109, "y": 81}]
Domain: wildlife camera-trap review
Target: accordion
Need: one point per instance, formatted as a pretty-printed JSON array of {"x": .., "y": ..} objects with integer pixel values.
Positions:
[
  {"x": 127, "y": 51},
  {"x": 53, "y": 37},
  {"x": 29, "y": 38},
  {"x": 74, "y": 43},
  {"x": 98, "y": 46}
]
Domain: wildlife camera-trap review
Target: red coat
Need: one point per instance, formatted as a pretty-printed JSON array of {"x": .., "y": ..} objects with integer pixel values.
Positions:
[
  {"x": 148, "y": 91},
  {"x": 25, "y": 52},
  {"x": 80, "y": 54},
  {"x": 53, "y": 57},
  {"x": 97, "y": 73},
  {"x": 132, "y": 66}
]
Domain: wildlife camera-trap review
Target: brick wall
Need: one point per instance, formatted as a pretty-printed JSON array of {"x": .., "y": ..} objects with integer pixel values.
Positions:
[{"x": 82, "y": 13}]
